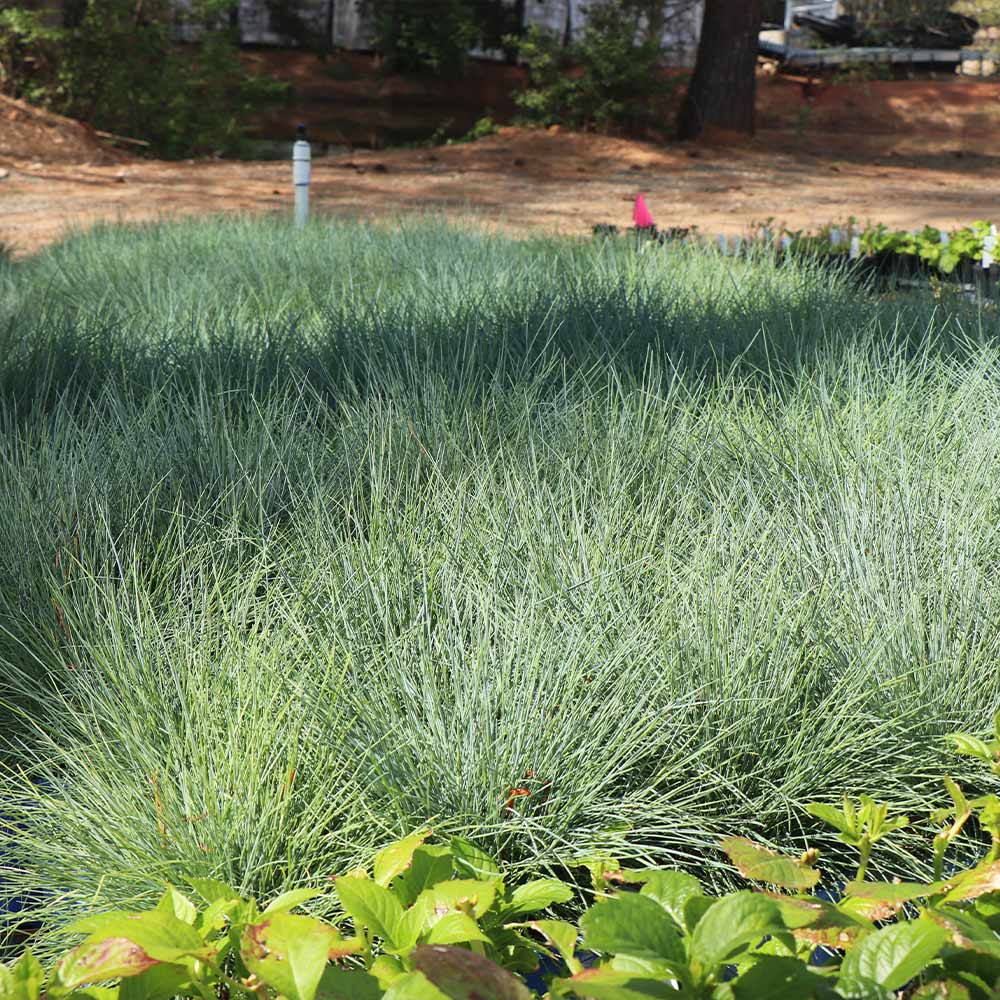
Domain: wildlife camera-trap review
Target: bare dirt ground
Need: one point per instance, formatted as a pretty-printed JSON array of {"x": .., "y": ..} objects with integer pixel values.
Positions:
[{"x": 905, "y": 153}]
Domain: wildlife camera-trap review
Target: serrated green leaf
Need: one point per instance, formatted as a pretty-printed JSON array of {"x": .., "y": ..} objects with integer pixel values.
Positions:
[
  {"x": 893, "y": 892},
  {"x": 538, "y": 894},
  {"x": 25, "y": 979},
  {"x": 961, "y": 803},
  {"x": 372, "y": 906},
  {"x": 560, "y": 935},
  {"x": 764, "y": 865},
  {"x": 643, "y": 968},
  {"x": 607, "y": 984},
  {"x": 98, "y": 992},
  {"x": 671, "y": 889},
  {"x": 212, "y": 890},
  {"x": 630, "y": 924},
  {"x": 459, "y": 893},
  {"x": 943, "y": 989},
  {"x": 695, "y": 909},
  {"x": 413, "y": 924},
  {"x": 174, "y": 901},
  {"x": 972, "y": 884},
  {"x": 472, "y": 860},
  {"x": 817, "y": 919},
  {"x": 965, "y": 930},
  {"x": 851, "y": 988},
  {"x": 100, "y": 961},
  {"x": 347, "y": 984},
  {"x": 833, "y": 816},
  {"x": 429, "y": 866},
  {"x": 414, "y": 986},
  {"x": 778, "y": 978},
  {"x": 396, "y": 858},
  {"x": 893, "y": 955},
  {"x": 158, "y": 933},
  {"x": 289, "y": 953},
  {"x": 463, "y": 975},
  {"x": 732, "y": 923},
  {"x": 161, "y": 982},
  {"x": 970, "y": 746},
  {"x": 216, "y": 915},
  {"x": 387, "y": 969},
  {"x": 456, "y": 928},
  {"x": 290, "y": 899}
]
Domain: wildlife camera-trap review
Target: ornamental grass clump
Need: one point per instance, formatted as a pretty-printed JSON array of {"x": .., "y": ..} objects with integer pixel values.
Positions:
[{"x": 309, "y": 540}]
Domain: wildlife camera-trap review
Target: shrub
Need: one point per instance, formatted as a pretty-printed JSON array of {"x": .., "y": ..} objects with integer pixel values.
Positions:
[
  {"x": 435, "y": 36},
  {"x": 120, "y": 68},
  {"x": 610, "y": 78},
  {"x": 443, "y": 922}
]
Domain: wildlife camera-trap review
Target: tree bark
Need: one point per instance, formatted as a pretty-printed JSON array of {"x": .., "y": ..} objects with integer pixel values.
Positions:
[
  {"x": 723, "y": 86},
  {"x": 73, "y": 12}
]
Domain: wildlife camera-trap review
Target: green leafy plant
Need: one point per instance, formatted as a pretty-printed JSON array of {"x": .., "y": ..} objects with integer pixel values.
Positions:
[
  {"x": 441, "y": 922},
  {"x": 929, "y": 246},
  {"x": 121, "y": 68},
  {"x": 860, "y": 826},
  {"x": 435, "y": 36},
  {"x": 406, "y": 917},
  {"x": 610, "y": 78}
]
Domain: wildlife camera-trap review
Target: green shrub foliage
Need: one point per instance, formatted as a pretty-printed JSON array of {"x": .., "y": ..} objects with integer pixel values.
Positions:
[
  {"x": 610, "y": 78},
  {"x": 444, "y": 922},
  {"x": 119, "y": 66},
  {"x": 436, "y": 36}
]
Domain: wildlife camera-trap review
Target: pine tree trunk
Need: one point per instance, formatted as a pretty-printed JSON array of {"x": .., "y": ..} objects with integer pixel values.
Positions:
[{"x": 723, "y": 87}]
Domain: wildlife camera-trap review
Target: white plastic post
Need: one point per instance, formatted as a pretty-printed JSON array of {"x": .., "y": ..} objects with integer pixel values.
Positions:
[
  {"x": 301, "y": 176},
  {"x": 855, "y": 247},
  {"x": 989, "y": 251},
  {"x": 723, "y": 244},
  {"x": 943, "y": 237}
]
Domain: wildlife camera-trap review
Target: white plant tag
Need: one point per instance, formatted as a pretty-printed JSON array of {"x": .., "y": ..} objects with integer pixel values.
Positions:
[{"x": 855, "y": 247}]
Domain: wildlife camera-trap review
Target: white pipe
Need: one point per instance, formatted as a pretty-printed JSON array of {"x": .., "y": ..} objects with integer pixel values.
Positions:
[
  {"x": 989, "y": 250},
  {"x": 301, "y": 176}
]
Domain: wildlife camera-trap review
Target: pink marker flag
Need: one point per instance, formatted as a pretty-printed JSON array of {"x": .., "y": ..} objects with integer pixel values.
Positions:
[{"x": 641, "y": 215}]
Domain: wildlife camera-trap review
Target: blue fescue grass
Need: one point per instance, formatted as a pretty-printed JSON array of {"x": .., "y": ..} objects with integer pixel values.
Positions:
[{"x": 309, "y": 539}]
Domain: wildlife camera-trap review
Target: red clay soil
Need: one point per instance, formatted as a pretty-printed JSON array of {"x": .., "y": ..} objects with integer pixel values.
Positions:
[
  {"x": 27, "y": 132},
  {"x": 906, "y": 153}
]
